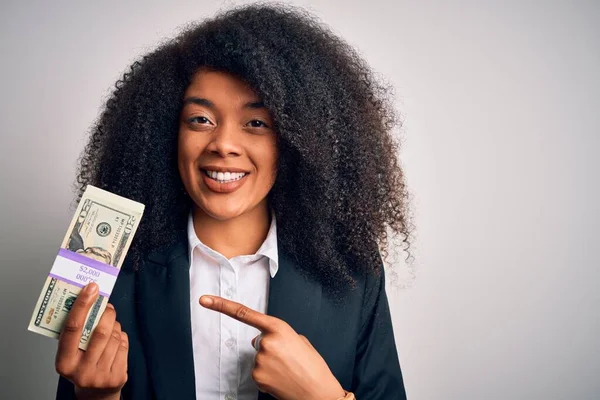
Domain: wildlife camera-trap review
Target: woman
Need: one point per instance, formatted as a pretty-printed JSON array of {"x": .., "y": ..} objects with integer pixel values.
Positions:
[{"x": 261, "y": 145}]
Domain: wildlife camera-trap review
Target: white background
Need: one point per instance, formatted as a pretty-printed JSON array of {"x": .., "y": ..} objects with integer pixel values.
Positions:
[{"x": 500, "y": 102}]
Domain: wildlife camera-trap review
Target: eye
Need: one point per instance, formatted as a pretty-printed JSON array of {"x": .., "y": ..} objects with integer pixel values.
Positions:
[
  {"x": 198, "y": 120},
  {"x": 256, "y": 123}
]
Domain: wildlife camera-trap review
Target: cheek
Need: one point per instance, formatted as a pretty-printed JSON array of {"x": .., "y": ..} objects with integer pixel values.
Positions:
[
  {"x": 270, "y": 162},
  {"x": 186, "y": 154}
]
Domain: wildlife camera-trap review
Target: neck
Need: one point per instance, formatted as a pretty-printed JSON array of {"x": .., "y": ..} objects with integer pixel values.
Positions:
[{"x": 242, "y": 235}]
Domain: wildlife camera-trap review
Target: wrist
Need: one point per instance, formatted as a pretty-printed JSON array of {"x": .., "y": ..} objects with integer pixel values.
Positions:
[
  {"x": 347, "y": 396},
  {"x": 332, "y": 392},
  {"x": 82, "y": 394},
  {"x": 335, "y": 392}
]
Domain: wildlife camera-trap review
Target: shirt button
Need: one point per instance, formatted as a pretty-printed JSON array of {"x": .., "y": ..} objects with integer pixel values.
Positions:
[
  {"x": 230, "y": 343},
  {"x": 229, "y": 292},
  {"x": 230, "y": 396}
]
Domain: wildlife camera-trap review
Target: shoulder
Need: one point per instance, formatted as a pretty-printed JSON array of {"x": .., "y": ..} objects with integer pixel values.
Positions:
[
  {"x": 372, "y": 284},
  {"x": 351, "y": 308}
]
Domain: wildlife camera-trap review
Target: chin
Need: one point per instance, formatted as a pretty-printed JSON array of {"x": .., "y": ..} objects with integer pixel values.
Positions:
[{"x": 219, "y": 212}]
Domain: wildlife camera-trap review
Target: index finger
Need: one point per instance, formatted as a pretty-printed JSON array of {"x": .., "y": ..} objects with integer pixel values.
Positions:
[
  {"x": 68, "y": 342},
  {"x": 260, "y": 321}
]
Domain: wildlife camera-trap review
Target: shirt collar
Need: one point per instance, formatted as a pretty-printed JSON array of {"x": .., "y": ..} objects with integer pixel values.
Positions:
[{"x": 267, "y": 249}]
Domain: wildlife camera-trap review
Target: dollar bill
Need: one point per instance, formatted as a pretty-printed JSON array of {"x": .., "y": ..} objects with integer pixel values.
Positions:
[{"x": 101, "y": 229}]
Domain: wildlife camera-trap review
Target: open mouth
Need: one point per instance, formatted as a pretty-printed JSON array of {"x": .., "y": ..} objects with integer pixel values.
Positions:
[{"x": 224, "y": 177}]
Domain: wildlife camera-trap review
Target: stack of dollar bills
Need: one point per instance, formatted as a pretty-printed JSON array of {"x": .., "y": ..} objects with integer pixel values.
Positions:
[{"x": 93, "y": 250}]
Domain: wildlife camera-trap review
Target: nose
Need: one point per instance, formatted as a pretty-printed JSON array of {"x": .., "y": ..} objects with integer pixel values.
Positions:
[{"x": 225, "y": 141}]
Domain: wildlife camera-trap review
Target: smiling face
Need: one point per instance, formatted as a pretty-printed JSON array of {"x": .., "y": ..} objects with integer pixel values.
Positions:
[{"x": 227, "y": 149}]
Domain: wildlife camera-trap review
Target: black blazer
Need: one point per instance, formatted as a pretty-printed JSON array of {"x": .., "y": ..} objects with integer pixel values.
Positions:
[{"x": 354, "y": 336}]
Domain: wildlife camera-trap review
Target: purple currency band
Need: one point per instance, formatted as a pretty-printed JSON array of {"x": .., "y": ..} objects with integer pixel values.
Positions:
[{"x": 88, "y": 262}]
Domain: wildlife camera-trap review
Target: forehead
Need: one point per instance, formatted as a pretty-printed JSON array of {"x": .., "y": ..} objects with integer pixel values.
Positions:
[{"x": 209, "y": 83}]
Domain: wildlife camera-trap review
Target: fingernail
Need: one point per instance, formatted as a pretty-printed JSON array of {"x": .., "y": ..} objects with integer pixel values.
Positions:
[
  {"x": 110, "y": 306},
  {"x": 206, "y": 301},
  {"x": 91, "y": 289}
]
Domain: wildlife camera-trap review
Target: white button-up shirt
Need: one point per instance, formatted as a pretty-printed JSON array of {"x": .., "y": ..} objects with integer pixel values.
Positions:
[{"x": 223, "y": 353}]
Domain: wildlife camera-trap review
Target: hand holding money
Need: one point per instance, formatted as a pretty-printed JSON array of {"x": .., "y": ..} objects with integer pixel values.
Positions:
[
  {"x": 100, "y": 372},
  {"x": 93, "y": 250}
]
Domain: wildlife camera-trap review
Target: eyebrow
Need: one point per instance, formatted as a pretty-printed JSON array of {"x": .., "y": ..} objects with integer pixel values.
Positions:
[{"x": 207, "y": 103}]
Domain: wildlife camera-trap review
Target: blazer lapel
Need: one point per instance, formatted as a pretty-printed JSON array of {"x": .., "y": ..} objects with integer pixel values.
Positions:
[{"x": 163, "y": 305}]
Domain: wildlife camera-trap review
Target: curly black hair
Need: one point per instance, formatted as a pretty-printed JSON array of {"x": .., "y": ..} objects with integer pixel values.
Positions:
[{"x": 339, "y": 187}]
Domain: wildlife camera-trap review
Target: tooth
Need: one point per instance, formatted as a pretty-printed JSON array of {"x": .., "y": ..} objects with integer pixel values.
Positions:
[
  {"x": 220, "y": 176},
  {"x": 227, "y": 176},
  {"x": 213, "y": 174}
]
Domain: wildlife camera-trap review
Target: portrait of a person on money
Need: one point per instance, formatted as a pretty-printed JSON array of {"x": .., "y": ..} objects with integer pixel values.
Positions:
[
  {"x": 95, "y": 252},
  {"x": 261, "y": 145}
]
